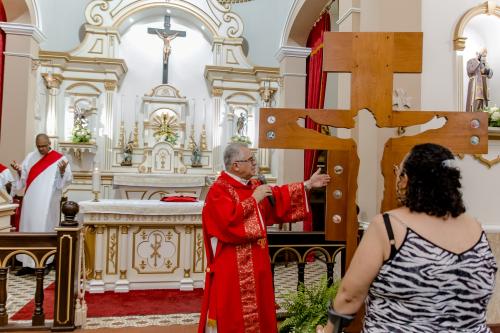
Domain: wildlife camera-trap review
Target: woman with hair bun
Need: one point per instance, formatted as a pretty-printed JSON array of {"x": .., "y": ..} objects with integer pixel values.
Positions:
[{"x": 424, "y": 267}]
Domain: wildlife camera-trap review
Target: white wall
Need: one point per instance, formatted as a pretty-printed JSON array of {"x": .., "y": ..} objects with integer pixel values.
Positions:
[
  {"x": 263, "y": 25},
  {"x": 481, "y": 186},
  {"x": 61, "y": 22}
]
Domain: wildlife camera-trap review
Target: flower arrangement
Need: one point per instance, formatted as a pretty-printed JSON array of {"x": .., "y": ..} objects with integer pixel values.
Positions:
[
  {"x": 241, "y": 139},
  {"x": 493, "y": 116},
  {"x": 166, "y": 128},
  {"x": 80, "y": 133}
]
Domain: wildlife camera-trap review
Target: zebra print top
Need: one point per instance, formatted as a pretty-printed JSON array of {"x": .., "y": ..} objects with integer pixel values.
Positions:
[{"x": 427, "y": 289}]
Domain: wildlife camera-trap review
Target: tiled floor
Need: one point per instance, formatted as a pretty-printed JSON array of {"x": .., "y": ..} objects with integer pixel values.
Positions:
[{"x": 21, "y": 290}]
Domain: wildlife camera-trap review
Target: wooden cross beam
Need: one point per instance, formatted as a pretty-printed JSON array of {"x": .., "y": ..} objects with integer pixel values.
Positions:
[{"x": 372, "y": 58}]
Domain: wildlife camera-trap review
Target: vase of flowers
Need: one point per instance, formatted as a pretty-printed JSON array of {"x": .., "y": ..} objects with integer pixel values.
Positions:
[
  {"x": 493, "y": 116},
  {"x": 80, "y": 134}
]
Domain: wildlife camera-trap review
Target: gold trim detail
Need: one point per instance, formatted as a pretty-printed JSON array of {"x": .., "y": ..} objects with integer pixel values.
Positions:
[
  {"x": 488, "y": 7},
  {"x": 97, "y": 48},
  {"x": 59, "y": 271},
  {"x": 485, "y": 161},
  {"x": 112, "y": 249},
  {"x": 110, "y": 85},
  {"x": 217, "y": 92}
]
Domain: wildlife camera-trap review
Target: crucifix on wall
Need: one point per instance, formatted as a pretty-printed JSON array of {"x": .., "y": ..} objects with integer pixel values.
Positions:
[
  {"x": 372, "y": 58},
  {"x": 167, "y": 36}
]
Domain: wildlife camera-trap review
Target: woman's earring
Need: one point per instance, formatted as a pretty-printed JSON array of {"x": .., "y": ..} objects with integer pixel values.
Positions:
[{"x": 400, "y": 193}]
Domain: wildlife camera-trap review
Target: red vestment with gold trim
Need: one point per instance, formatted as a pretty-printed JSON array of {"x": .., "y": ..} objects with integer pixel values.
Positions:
[{"x": 239, "y": 295}]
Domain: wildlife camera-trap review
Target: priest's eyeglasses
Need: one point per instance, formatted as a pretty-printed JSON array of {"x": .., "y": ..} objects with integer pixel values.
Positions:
[{"x": 251, "y": 159}]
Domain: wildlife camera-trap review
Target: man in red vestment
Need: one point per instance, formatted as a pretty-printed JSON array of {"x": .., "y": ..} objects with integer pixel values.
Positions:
[{"x": 239, "y": 295}]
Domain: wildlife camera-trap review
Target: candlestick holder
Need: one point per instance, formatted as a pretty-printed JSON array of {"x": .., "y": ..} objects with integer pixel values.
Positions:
[{"x": 96, "y": 196}]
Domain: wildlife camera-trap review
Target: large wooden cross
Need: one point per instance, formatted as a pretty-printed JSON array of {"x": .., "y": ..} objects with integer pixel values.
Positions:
[
  {"x": 167, "y": 36},
  {"x": 372, "y": 58}
]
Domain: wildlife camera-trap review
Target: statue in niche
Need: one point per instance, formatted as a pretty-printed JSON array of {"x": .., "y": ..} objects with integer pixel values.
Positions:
[
  {"x": 479, "y": 72},
  {"x": 127, "y": 154},
  {"x": 167, "y": 47},
  {"x": 195, "y": 156},
  {"x": 241, "y": 124}
]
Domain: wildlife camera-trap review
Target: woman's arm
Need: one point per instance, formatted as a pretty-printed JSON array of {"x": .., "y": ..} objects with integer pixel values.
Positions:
[{"x": 364, "y": 267}]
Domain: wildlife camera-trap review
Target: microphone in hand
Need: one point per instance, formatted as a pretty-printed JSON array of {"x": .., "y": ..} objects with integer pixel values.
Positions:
[{"x": 263, "y": 181}]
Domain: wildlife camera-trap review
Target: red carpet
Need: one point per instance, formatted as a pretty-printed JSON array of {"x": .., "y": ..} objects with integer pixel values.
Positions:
[{"x": 133, "y": 303}]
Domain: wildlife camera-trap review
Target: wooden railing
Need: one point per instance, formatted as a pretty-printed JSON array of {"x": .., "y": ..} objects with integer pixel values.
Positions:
[
  {"x": 297, "y": 246},
  {"x": 63, "y": 244}
]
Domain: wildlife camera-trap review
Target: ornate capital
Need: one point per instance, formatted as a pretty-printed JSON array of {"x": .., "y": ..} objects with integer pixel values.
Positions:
[
  {"x": 110, "y": 85},
  {"x": 52, "y": 80},
  {"x": 217, "y": 92}
]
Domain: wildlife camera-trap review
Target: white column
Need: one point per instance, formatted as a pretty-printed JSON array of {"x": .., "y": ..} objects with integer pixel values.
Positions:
[
  {"x": 110, "y": 87},
  {"x": 122, "y": 285},
  {"x": 187, "y": 282},
  {"x": 293, "y": 94},
  {"x": 52, "y": 83},
  {"x": 96, "y": 285},
  {"x": 19, "y": 89},
  {"x": 217, "y": 149}
]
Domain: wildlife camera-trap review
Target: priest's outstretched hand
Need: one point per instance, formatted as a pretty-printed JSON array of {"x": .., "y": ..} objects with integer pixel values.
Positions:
[
  {"x": 16, "y": 167},
  {"x": 317, "y": 180},
  {"x": 62, "y": 166}
]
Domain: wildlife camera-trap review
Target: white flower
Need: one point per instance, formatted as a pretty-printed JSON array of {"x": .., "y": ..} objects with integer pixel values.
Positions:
[{"x": 495, "y": 116}]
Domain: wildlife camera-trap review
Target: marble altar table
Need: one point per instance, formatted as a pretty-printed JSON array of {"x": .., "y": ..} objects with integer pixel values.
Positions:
[
  {"x": 143, "y": 244},
  {"x": 154, "y": 186}
]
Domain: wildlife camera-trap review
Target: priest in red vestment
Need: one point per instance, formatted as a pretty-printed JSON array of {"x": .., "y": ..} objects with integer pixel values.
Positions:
[
  {"x": 239, "y": 295},
  {"x": 43, "y": 175}
]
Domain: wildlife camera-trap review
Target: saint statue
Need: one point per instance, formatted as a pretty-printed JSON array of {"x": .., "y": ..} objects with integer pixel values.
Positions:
[
  {"x": 127, "y": 154},
  {"x": 167, "y": 39},
  {"x": 241, "y": 123},
  {"x": 479, "y": 72},
  {"x": 196, "y": 156}
]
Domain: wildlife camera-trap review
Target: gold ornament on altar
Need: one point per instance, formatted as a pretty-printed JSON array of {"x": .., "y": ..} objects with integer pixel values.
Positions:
[{"x": 166, "y": 128}]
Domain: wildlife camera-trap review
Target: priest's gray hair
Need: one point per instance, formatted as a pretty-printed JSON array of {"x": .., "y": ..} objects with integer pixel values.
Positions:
[{"x": 233, "y": 153}]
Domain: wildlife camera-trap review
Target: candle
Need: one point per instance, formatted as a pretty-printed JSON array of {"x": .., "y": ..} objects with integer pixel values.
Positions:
[{"x": 96, "y": 180}]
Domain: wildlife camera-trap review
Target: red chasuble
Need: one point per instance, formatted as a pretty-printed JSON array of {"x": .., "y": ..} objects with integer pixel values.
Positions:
[
  {"x": 239, "y": 295},
  {"x": 2, "y": 167}
]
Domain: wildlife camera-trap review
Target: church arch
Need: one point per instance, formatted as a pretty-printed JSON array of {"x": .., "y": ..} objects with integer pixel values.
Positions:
[
  {"x": 25, "y": 12},
  {"x": 300, "y": 20},
  {"x": 488, "y": 7},
  {"x": 80, "y": 85},
  {"x": 185, "y": 10}
]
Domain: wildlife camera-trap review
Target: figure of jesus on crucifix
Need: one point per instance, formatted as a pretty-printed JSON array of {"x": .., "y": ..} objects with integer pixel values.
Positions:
[
  {"x": 167, "y": 36},
  {"x": 167, "y": 39}
]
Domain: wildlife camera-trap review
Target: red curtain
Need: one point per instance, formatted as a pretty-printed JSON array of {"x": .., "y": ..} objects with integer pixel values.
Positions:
[
  {"x": 315, "y": 97},
  {"x": 3, "y": 18}
]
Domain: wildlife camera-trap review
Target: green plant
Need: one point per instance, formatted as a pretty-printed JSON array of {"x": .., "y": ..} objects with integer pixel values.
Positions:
[
  {"x": 493, "y": 116},
  {"x": 307, "y": 307}
]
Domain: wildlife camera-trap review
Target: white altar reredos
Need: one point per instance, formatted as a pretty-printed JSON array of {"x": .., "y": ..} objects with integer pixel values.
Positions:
[{"x": 143, "y": 244}]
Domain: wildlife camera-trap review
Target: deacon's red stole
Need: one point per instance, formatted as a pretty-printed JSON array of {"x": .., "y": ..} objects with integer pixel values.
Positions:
[
  {"x": 2, "y": 167},
  {"x": 47, "y": 160}
]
